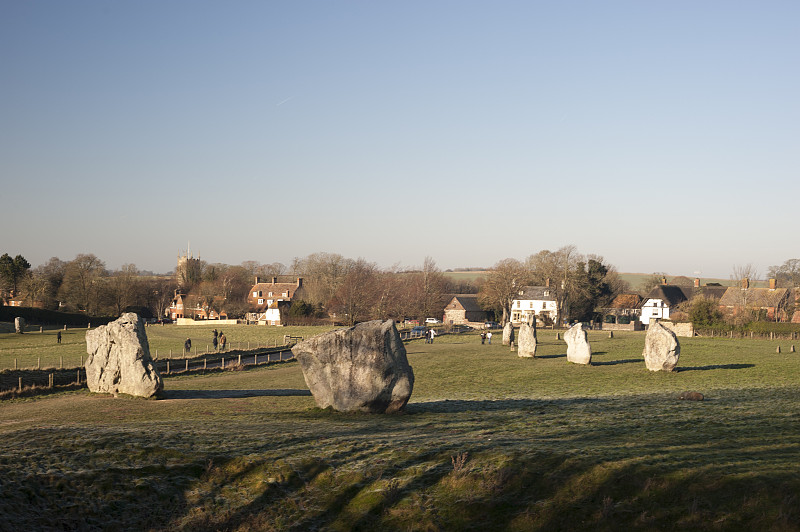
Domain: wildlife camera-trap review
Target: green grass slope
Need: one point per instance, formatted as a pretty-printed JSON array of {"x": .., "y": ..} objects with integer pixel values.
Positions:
[{"x": 489, "y": 441}]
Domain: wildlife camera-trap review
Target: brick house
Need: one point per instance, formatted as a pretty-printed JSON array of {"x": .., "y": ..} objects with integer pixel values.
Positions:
[
  {"x": 771, "y": 303},
  {"x": 197, "y": 307},
  {"x": 270, "y": 301},
  {"x": 624, "y": 305},
  {"x": 463, "y": 309}
]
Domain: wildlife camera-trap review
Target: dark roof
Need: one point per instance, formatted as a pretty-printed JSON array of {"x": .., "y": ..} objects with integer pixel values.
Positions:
[
  {"x": 670, "y": 294},
  {"x": 468, "y": 302},
  {"x": 535, "y": 293},
  {"x": 712, "y": 292}
]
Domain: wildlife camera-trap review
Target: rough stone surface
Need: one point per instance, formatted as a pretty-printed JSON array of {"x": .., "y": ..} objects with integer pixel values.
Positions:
[
  {"x": 358, "y": 369},
  {"x": 527, "y": 341},
  {"x": 19, "y": 325},
  {"x": 578, "y": 349},
  {"x": 692, "y": 396},
  {"x": 508, "y": 333},
  {"x": 661, "y": 348},
  {"x": 119, "y": 359}
]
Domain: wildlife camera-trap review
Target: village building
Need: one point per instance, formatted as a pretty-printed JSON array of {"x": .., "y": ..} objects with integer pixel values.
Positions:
[
  {"x": 770, "y": 304},
  {"x": 664, "y": 298},
  {"x": 464, "y": 309},
  {"x": 534, "y": 301},
  {"x": 269, "y": 302},
  {"x": 197, "y": 307},
  {"x": 623, "y": 309}
]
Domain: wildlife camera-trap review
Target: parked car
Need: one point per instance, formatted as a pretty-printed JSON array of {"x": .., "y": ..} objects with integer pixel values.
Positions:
[
  {"x": 491, "y": 325},
  {"x": 419, "y": 330},
  {"x": 432, "y": 320}
]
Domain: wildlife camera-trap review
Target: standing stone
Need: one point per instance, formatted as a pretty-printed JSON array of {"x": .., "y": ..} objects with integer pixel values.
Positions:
[
  {"x": 508, "y": 333},
  {"x": 578, "y": 349},
  {"x": 358, "y": 369},
  {"x": 119, "y": 359},
  {"x": 19, "y": 324},
  {"x": 661, "y": 348},
  {"x": 527, "y": 340}
]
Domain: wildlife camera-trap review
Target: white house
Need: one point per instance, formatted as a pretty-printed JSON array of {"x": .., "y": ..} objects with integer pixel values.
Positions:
[
  {"x": 660, "y": 300},
  {"x": 532, "y": 301}
]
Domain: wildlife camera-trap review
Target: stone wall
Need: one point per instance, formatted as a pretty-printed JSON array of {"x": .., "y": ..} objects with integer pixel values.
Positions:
[
  {"x": 190, "y": 321},
  {"x": 685, "y": 329},
  {"x": 634, "y": 325}
]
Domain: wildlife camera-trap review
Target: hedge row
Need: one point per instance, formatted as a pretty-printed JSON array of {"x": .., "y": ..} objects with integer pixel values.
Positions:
[
  {"x": 755, "y": 327},
  {"x": 50, "y": 317}
]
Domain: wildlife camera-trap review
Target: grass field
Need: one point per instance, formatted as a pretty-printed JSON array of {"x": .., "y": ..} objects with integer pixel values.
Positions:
[{"x": 489, "y": 441}]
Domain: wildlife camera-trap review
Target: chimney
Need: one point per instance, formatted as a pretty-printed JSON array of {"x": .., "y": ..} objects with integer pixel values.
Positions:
[
  {"x": 697, "y": 282},
  {"x": 299, "y": 282},
  {"x": 274, "y": 280},
  {"x": 773, "y": 284},
  {"x": 547, "y": 282},
  {"x": 663, "y": 280},
  {"x": 745, "y": 283},
  {"x": 256, "y": 279}
]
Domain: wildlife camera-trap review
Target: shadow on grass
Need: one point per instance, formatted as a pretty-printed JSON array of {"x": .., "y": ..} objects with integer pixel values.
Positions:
[
  {"x": 552, "y": 356},
  {"x": 231, "y": 394},
  {"x": 715, "y": 366},
  {"x": 615, "y": 362}
]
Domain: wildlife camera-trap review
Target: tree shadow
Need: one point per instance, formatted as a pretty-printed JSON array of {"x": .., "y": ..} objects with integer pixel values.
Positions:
[
  {"x": 715, "y": 366},
  {"x": 231, "y": 394},
  {"x": 615, "y": 362}
]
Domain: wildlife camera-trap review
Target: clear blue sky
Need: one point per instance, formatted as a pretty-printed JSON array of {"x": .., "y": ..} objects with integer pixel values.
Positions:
[{"x": 661, "y": 135}]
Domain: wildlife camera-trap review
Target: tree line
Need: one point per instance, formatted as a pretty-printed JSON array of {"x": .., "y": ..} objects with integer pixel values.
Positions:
[{"x": 350, "y": 290}]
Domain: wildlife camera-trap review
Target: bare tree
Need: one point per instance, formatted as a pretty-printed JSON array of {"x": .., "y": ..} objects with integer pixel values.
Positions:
[
  {"x": 787, "y": 274},
  {"x": 501, "y": 285},
  {"x": 560, "y": 269},
  {"x": 742, "y": 276},
  {"x": 81, "y": 287},
  {"x": 357, "y": 293}
]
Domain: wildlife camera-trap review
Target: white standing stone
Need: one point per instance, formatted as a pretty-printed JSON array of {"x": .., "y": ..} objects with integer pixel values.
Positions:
[
  {"x": 661, "y": 348},
  {"x": 359, "y": 369},
  {"x": 578, "y": 349},
  {"x": 527, "y": 341},
  {"x": 119, "y": 359},
  {"x": 19, "y": 324}
]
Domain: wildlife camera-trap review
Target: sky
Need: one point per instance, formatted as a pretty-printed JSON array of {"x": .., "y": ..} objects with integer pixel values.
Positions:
[{"x": 661, "y": 135}]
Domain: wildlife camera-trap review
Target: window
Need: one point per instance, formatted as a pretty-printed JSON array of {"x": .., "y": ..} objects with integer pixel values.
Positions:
[
  {"x": 261, "y": 301},
  {"x": 255, "y": 294},
  {"x": 286, "y": 294},
  {"x": 270, "y": 294}
]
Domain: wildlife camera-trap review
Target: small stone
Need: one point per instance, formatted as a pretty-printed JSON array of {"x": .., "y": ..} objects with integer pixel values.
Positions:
[{"x": 692, "y": 396}]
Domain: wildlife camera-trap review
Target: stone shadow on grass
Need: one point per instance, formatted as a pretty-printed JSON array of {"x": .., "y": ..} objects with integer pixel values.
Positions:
[
  {"x": 231, "y": 394},
  {"x": 552, "y": 356},
  {"x": 615, "y": 362},
  {"x": 714, "y": 366}
]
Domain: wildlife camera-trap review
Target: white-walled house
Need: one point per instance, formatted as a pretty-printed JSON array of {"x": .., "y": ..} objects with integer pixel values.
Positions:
[
  {"x": 538, "y": 301},
  {"x": 661, "y": 300}
]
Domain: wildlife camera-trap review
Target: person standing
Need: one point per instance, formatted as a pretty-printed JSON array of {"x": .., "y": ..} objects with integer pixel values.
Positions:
[
  {"x": 433, "y": 335},
  {"x": 483, "y": 337},
  {"x": 214, "y": 340},
  {"x": 489, "y": 337},
  {"x": 222, "y": 341},
  {"x": 187, "y": 345},
  {"x": 58, "y": 337}
]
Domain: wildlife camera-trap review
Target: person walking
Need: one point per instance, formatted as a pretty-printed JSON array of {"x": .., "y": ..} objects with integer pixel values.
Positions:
[
  {"x": 222, "y": 341},
  {"x": 214, "y": 340},
  {"x": 489, "y": 337},
  {"x": 58, "y": 337},
  {"x": 187, "y": 345},
  {"x": 483, "y": 337},
  {"x": 433, "y": 335}
]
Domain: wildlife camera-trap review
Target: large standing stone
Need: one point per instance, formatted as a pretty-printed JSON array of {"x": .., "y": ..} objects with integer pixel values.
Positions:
[
  {"x": 578, "y": 349},
  {"x": 119, "y": 359},
  {"x": 661, "y": 348},
  {"x": 508, "y": 333},
  {"x": 19, "y": 324},
  {"x": 527, "y": 340},
  {"x": 362, "y": 368}
]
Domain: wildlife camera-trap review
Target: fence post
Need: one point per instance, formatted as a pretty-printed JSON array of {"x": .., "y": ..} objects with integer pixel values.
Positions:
[
  {"x": 156, "y": 354},
  {"x": 79, "y": 375},
  {"x": 15, "y": 363},
  {"x": 205, "y": 363},
  {"x": 61, "y": 362},
  {"x": 38, "y": 362},
  {"x": 187, "y": 364},
  {"x": 20, "y": 384},
  {"x": 81, "y": 361},
  {"x": 167, "y": 367},
  {"x": 240, "y": 360},
  {"x": 255, "y": 359},
  {"x": 223, "y": 363}
]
